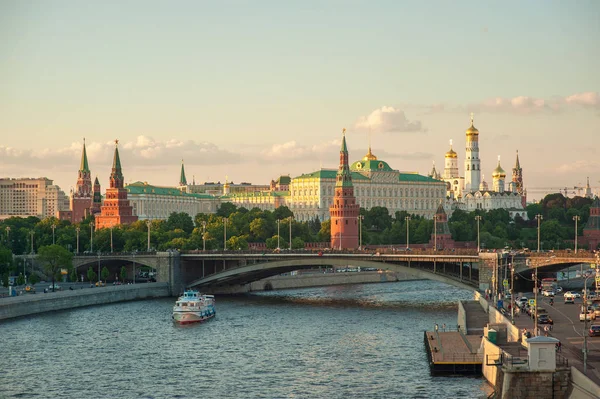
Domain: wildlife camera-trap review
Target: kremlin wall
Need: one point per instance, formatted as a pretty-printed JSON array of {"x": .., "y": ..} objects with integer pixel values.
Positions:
[{"x": 324, "y": 194}]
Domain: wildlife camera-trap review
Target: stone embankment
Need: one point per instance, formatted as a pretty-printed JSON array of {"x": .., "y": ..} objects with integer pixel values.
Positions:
[{"x": 42, "y": 303}]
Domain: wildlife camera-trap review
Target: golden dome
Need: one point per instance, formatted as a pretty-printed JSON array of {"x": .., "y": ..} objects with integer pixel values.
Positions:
[
  {"x": 369, "y": 156},
  {"x": 451, "y": 154},
  {"x": 472, "y": 130},
  {"x": 499, "y": 172}
]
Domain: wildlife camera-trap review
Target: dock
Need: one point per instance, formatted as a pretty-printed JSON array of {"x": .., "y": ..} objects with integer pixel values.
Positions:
[{"x": 453, "y": 353}]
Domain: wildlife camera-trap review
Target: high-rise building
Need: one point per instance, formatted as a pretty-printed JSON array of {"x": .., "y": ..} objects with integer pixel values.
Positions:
[
  {"x": 116, "y": 208},
  {"x": 344, "y": 210},
  {"x": 31, "y": 197}
]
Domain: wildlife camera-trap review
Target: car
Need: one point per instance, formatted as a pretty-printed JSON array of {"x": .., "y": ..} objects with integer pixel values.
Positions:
[
  {"x": 559, "y": 289},
  {"x": 548, "y": 293},
  {"x": 100, "y": 283},
  {"x": 544, "y": 318},
  {"x": 54, "y": 287},
  {"x": 588, "y": 315},
  {"x": 594, "y": 330},
  {"x": 569, "y": 299},
  {"x": 30, "y": 289},
  {"x": 574, "y": 294},
  {"x": 523, "y": 301}
]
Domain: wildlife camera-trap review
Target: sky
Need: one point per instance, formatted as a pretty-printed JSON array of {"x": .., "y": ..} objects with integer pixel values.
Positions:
[{"x": 251, "y": 90}]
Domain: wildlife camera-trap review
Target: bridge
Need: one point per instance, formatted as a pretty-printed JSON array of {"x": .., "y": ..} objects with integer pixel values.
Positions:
[{"x": 231, "y": 271}]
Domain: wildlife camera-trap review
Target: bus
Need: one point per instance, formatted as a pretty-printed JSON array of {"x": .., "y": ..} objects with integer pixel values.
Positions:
[{"x": 549, "y": 284}]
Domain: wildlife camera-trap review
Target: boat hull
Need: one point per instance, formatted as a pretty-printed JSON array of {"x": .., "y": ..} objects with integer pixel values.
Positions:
[{"x": 192, "y": 317}]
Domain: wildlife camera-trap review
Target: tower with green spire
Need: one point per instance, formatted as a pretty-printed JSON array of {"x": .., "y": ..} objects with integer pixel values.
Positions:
[
  {"x": 182, "y": 179},
  {"x": 344, "y": 211},
  {"x": 81, "y": 197},
  {"x": 116, "y": 208}
]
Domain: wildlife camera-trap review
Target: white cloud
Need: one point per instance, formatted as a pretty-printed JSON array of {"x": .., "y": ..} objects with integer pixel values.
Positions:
[
  {"x": 520, "y": 104},
  {"x": 579, "y": 166},
  {"x": 292, "y": 151},
  {"x": 387, "y": 120},
  {"x": 587, "y": 99}
]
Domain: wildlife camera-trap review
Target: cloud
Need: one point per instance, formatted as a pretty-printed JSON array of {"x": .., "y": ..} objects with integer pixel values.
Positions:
[
  {"x": 579, "y": 166},
  {"x": 520, "y": 104},
  {"x": 387, "y": 120},
  {"x": 143, "y": 151},
  {"x": 586, "y": 99},
  {"x": 292, "y": 151},
  {"x": 412, "y": 156}
]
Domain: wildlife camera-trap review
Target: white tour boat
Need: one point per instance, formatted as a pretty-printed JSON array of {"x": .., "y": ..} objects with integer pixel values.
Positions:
[{"x": 193, "y": 307}]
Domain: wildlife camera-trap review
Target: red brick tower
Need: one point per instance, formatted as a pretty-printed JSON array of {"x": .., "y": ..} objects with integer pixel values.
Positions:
[
  {"x": 344, "y": 210},
  {"x": 81, "y": 198},
  {"x": 442, "y": 231},
  {"x": 116, "y": 208},
  {"x": 591, "y": 231},
  {"x": 97, "y": 201}
]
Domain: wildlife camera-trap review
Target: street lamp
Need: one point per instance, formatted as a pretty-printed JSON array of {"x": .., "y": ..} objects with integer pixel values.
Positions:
[
  {"x": 407, "y": 218},
  {"x": 291, "y": 219},
  {"x": 53, "y": 227},
  {"x": 7, "y": 235},
  {"x": 134, "y": 251},
  {"x": 539, "y": 220},
  {"x": 584, "y": 310},
  {"x": 278, "y": 222},
  {"x": 91, "y": 236},
  {"x": 204, "y": 235},
  {"x": 360, "y": 219},
  {"x": 478, "y": 218},
  {"x": 111, "y": 240},
  {"x": 148, "y": 223},
  {"x": 576, "y": 218},
  {"x": 31, "y": 233},
  {"x": 225, "y": 234},
  {"x": 98, "y": 267},
  {"x": 77, "y": 230},
  {"x": 535, "y": 295},
  {"x": 435, "y": 218}
]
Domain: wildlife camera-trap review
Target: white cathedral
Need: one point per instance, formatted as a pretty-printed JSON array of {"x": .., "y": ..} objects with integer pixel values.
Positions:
[{"x": 472, "y": 192}]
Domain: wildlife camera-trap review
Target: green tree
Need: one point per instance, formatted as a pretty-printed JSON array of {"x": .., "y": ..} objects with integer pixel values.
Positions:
[
  {"x": 226, "y": 209},
  {"x": 104, "y": 273},
  {"x": 180, "y": 220},
  {"x": 20, "y": 279},
  {"x": 33, "y": 279},
  {"x": 54, "y": 258},
  {"x": 5, "y": 260},
  {"x": 73, "y": 275},
  {"x": 237, "y": 243},
  {"x": 123, "y": 273},
  {"x": 91, "y": 275}
]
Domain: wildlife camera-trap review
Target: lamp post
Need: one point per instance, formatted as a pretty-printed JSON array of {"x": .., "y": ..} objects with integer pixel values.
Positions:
[
  {"x": 148, "y": 223},
  {"x": 585, "y": 317},
  {"x": 360, "y": 219},
  {"x": 111, "y": 240},
  {"x": 539, "y": 220},
  {"x": 91, "y": 236},
  {"x": 98, "y": 267},
  {"x": 278, "y": 222},
  {"x": 512, "y": 287},
  {"x": 77, "y": 230},
  {"x": 535, "y": 295},
  {"x": 204, "y": 235},
  {"x": 134, "y": 266},
  {"x": 435, "y": 232},
  {"x": 7, "y": 235},
  {"x": 225, "y": 234},
  {"x": 408, "y": 219},
  {"x": 478, "y": 219},
  {"x": 576, "y": 218},
  {"x": 291, "y": 219},
  {"x": 53, "y": 228},
  {"x": 31, "y": 233}
]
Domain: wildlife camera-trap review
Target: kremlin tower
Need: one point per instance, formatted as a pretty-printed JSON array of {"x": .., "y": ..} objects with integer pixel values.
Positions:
[
  {"x": 81, "y": 198},
  {"x": 472, "y": 161},
  {"x": 116, "y": 208},
  {"x": 344, "y": 211}
]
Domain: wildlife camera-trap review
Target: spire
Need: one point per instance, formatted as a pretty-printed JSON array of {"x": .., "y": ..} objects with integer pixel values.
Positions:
[
  {"x": 517, "y": 164},
  {"x": 343, "y": 178},
  {"x": 344, "y": 148},
  {"x": 116, "y": 160},
  {"x": 116, "y": 176},
  {"x": 96, "y": 181},
  {"x": 84, "y": 161},
  {"x": 182, "y": 179}
]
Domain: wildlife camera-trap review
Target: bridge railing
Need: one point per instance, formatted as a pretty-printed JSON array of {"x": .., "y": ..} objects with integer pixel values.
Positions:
[
  {"x": 96, "y": 254},
  {"x": 386, "y": 251}
]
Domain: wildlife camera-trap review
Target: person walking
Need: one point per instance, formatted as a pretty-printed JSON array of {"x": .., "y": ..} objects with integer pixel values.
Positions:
[{"x": 444, "y": 327}]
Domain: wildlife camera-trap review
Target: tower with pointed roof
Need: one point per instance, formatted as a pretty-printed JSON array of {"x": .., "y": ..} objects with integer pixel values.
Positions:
[
  {"x": 116, "y": 208},
  {"x": 517, "y": 175},
  {"x": 498, "y": 178},
  {"x": 182, "y": 179},
  {"x": 344, "y": 210},
  {"x": 454, "y": 182},
  {"x": 591, "y": 231},
  {"x": 588, "y": 189},
  {"x": 472, "y": 161},
  {"x": 81, "y": 197},
  {"x": 434, "y": 173},
  {"x": 441, "y": 238},
  {"x": 97, "y": 199}
]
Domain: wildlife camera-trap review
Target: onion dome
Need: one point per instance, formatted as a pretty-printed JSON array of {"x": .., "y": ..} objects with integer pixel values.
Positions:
[
  {"x": 499, "y": 172},
  {"x": 451, "y": 153},
  {"x": 483, "y": 186},
  {"x": 370, "y": 156},
  {"x": 472, "y": 130}
]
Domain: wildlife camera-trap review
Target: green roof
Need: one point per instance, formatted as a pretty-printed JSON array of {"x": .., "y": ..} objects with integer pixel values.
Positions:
[
  {"x": 182, "y": 179},
  {"x": 143, "y": 188},
  {"x": 329, "y": 174},
  {"x": 284, "y": 180},
  {"x": 84, "y": 161},
  {"x": 417, "y": 178},
  {"x": 257, "y": 194},
  {"x": 371, "y": 165}
]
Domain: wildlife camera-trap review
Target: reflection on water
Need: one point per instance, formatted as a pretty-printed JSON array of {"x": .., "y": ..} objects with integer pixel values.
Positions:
[{"x": 356, "y": 341}]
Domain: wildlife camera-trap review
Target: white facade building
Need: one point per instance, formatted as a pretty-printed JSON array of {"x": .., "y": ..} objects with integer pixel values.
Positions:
[{"x": 31, "y": 197}]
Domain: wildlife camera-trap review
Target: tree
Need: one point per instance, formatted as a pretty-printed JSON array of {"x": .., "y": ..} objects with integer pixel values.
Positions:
[
  {"x": 91, "y": 275},
  {"x": 226, "y": 209},
  {"x": 54, "y": 258},
  {"x": 181, "y": 221},
  {"x": 73, "y": 276},
  {"x": 5, "y": 260},
  {"x": 123, "y": 273},
  {"x": 104, "y": 273},
  {"x": 33, "y": 279},
  {"x": 20, "y": 279}
]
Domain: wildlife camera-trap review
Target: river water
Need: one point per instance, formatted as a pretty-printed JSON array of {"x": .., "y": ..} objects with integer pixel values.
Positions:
[{"x": 353, "y": 341}]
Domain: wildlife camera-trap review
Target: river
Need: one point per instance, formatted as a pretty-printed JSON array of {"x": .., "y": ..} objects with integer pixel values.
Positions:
[{"x": 353, "y": 341}]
